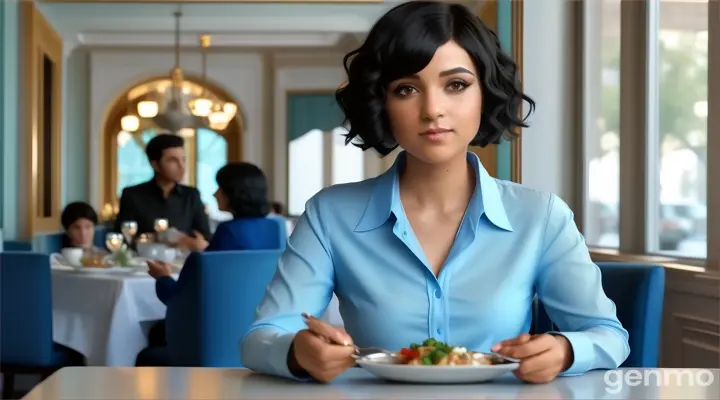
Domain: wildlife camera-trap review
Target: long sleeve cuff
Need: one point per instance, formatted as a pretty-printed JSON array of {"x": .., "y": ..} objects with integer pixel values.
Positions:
[
  {"x": 583, "y": 355},
  {"x": 596, "y": 348},
  {"x": 266, "y": 352}
]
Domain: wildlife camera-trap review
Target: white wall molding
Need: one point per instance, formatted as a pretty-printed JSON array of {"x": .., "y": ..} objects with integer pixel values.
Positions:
[{"x": 167, "y": 39}]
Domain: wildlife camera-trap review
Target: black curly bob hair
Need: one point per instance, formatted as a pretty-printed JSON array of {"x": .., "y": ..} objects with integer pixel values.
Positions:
[
  {"x": 246, "y": 188},
  {"x": 401, "y": 44}
]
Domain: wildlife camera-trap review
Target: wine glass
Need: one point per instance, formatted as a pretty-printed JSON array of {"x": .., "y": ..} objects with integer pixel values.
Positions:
[
  {"x": 161, "y": 225},
  {"x": 114, "y": 241},
  {"x": 129, "y": 230}
]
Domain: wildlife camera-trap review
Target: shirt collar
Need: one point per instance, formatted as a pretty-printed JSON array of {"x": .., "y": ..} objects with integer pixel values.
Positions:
[
  {"x": 177, "y": 189},
  {"x": 385, "y": 198}
]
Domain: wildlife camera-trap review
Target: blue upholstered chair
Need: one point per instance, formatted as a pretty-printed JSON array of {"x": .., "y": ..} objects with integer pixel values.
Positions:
[
  {"x": 48, "y": 243},
  {"x": 282, "y": 231},
  {"x": 213, "y": 308},
  {"x": 26, "y": 343},
  {"x": 638, "y": 291},
  {"x": 16, "y": 245}
]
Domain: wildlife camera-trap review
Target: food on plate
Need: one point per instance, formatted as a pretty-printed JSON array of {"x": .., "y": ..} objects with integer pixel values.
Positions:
[
  {"x": 94, "y": 262},
  {"x": 433, "y": 352}
]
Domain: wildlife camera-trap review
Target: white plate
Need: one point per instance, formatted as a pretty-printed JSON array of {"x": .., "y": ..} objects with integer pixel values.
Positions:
[
  {"x": 108, "y": 270},
  {"x": 141, "y": 262},
  {"x": 382, "y": 366}
]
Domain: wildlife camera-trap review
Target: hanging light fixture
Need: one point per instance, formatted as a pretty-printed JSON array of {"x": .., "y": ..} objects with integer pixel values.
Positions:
[
  {"x": 230, "y": 109},
  {"x": 167, "y": 107},
  {"x": 219, "y": 120},
  {"x": 148, "y": 109},
  {"x": 130, "y": 122},
  {"x": 202, "y": 106}
]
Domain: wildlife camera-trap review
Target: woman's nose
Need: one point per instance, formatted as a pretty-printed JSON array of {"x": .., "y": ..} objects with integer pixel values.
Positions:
[{"x": 432, "y": 106}]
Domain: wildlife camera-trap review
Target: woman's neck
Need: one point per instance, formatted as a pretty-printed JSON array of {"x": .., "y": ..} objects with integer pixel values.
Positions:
[{"x": 443, "y": 187}]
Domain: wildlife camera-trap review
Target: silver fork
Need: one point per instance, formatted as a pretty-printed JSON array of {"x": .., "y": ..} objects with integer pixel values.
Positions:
[{"x": 359, "y": 352}]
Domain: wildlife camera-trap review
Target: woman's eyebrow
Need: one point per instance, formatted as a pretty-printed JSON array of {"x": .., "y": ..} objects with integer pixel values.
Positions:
[{"x": 452, "y": 71}]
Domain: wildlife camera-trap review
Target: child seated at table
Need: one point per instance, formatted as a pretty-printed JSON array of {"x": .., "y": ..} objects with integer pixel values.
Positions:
[{"x": 79, "y": 219}]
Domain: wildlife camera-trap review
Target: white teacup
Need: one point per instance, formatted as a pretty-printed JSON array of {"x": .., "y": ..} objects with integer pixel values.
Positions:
[
  {"x": 73, "y": 255},
  {"x": 156, "y": 251},
  {"x": 167, "y": 255},
  {"x": 173, "y": 235}
]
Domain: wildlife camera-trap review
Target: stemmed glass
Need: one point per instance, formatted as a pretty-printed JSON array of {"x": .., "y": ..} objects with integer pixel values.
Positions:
[
  {"x": 114, "y": 241},
  {"x": 129, "y": 230},
  {"x": 161, "y": 225}
]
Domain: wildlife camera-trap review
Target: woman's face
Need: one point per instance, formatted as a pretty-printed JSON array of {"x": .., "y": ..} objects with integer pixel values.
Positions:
[
  {"x": 435, "y": 113},
  {"x": 222, "y": 200},
  {"x": 81, "y": 233}
]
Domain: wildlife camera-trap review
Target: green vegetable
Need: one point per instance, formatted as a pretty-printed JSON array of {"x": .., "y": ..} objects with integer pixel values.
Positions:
[
  {"x": 437, "y": 355},
  {"x": 123, "y": 258},
  {"x": 427, "y": 361},
  {"x": 414, "y": 346}
]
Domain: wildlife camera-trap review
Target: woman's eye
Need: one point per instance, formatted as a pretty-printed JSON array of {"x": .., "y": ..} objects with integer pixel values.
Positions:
[
  {"x": 457, "y": 86},
  {"x": 403, "y": 91}
]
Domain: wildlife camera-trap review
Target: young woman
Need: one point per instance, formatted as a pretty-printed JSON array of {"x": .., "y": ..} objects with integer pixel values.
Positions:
[{"x": 434, "y": 247}]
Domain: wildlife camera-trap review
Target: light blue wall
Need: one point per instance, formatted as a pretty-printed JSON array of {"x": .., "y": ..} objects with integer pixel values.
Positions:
[
  {"x": 75, "y": 144},
  {"x": 2, "y": 108},
  {"x": 9, "y": 60}
]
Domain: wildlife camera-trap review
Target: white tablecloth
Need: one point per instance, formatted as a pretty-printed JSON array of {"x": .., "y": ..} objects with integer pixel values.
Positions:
[{"x": 101, "y": 315}]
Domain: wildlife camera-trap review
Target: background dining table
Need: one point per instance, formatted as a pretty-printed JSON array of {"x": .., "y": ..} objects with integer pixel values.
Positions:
[
  {"x": 104, "y": 316},
  {"x": 100, "y": 383}
]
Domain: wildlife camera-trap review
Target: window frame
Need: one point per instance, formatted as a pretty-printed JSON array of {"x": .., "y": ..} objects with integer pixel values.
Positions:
[
  {"x": 327, "y": 157},
  {"x": 42, "y": 42},
  {"x": 638, "y": 158}
]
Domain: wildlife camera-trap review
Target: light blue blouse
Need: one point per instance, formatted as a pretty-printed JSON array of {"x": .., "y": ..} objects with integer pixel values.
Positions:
[{"x": 513, "y": 243}]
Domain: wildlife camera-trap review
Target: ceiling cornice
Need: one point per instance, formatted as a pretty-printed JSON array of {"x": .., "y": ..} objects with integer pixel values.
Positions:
[
  {"x": 213, "y": 1},
  {"x": 155, "y": 39}
]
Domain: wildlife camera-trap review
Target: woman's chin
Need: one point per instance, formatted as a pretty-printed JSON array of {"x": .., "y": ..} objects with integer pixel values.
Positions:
[{"x": 438, "y": 155}]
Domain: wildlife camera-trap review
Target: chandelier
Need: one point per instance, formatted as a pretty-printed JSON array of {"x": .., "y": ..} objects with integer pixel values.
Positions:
[{"x": 175, "y": 105}]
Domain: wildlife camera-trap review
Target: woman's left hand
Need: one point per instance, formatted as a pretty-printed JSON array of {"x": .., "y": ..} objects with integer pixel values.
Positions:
[
  {"x": 542, "y": 357},
  {"x": 196, "y": 242}
]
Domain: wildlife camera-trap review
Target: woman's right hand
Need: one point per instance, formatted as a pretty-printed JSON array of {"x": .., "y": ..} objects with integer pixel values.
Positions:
[{"x": 322, "y": 351}]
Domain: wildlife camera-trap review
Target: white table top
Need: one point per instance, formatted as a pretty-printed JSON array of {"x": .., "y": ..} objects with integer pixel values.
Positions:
[{"x": 100, "y": 383}]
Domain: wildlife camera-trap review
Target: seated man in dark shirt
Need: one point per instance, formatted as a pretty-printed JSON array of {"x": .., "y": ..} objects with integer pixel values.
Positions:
[{"x": 164, "y": 196}]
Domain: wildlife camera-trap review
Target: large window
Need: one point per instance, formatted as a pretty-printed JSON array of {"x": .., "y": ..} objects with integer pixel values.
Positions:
[
  {"x": 646, "y": 110},
  {"x": 602, "y": 125},
  {"x": 677, "y": 130},
  {"x": 318, "y": 159}
]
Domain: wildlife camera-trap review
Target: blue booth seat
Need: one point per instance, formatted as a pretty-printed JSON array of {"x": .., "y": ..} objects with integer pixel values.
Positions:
[
  {"x": 26, "y": 343},
  {"x": 16, "y": 245},
  {"x": 638, "y": 291},
  {"x": 214, "y": 305},
  {"x": 48, "y": 243}
]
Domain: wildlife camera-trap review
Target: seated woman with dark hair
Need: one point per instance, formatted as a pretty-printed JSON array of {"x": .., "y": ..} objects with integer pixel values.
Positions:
[
  {"x": 79, "y": 219},
  {"x": 243, "y": 192}
]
